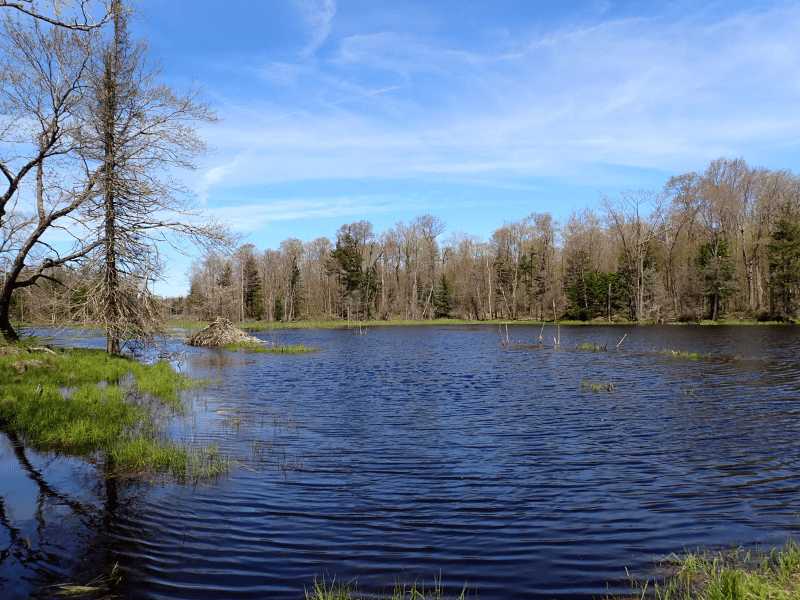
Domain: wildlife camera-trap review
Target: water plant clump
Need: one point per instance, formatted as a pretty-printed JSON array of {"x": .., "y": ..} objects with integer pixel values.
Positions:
[
  {"x": 348, "y": 591},
  {"x": 84, "y": 401},
  {"x": 682, "y": 354},
  {"x": 598, "y": 386},
  {"x": 593, "y": 347},
  {"x": 734, "y": 574},
  {"x": 269, "y": 349}
]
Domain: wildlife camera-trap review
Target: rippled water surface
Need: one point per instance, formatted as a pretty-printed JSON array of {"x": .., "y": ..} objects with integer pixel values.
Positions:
[{"x": 413, "y": 453}]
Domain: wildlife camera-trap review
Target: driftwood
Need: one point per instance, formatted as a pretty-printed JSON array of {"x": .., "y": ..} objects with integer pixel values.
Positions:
[
  {"x": 16, "y": 350},
  {"x": 220, "y": 332},
  {"x": 23, "y": 365}
]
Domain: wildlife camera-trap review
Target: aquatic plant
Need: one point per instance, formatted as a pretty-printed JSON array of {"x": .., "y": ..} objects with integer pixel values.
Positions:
[
  {"x": 271, "y": 349},
  {"x": 733, "y": 574},
  {"x": 593, "y": 347},
  {"x": 682, "y": 354},
  {"x": 99, "y": 585},
  {"x": 348, "y": 591},
  {"x": 598, "y": 386}
]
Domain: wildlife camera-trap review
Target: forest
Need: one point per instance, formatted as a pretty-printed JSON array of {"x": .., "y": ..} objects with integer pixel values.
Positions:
[{"x": 724, "y": 242}]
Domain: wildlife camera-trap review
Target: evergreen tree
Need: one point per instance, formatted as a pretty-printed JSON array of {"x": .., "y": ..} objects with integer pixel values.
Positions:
[
  {"x": 253, "y": 296},
  {"x": 443, "y": 298},
  {"x": 277, "y": 310},
  {"x": 784, "y": 263},
  {"x": 716, "y": 268}
]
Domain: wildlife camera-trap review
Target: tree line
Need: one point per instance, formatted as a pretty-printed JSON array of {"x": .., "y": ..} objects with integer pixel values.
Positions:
[{"x": 722, "y": 242}]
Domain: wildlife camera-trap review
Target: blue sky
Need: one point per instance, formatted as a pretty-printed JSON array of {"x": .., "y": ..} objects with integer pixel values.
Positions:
[{"x": 333, "y": 111}]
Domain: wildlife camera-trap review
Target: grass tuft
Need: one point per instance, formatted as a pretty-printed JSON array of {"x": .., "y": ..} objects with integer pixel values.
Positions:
[
  {"x": 682, "y": 354},
  {"x": 271, "y": 349},
  {"x": 598, "y": 386},
  {"x": 348, "y": 591},
  {"x": 591, "y": 347},
  {"x": 730, "y": 575}
]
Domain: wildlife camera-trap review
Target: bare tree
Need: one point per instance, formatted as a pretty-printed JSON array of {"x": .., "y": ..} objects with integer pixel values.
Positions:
[
  {"x": 637, "y": 218},
  {"x": 139, "y": 129},
  {"x": 42, "y": 92},
  {"x": 82, "y": 21}
]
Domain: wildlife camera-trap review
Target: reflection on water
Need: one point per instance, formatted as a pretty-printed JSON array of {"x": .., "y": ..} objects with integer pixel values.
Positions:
[{"x": 419, "y": 452}]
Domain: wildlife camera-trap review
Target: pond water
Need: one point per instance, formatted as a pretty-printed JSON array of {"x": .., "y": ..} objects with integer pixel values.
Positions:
[{"x": 419, "y": 453}]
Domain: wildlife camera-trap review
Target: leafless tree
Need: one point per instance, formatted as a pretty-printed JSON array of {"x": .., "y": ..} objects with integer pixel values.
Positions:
[
  {"x": 637, "y": 218},
  {"x": 42, "y": 91},
  {"x": 137, "y": 130}
]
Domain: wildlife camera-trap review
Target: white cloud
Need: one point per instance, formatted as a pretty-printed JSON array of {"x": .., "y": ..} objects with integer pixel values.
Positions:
[
  {"x": 648, "y": 92},
  {"x": 255, "y": 215},
  {"x": 319, "y": 15},
  {"x": 215, "y": 176}
]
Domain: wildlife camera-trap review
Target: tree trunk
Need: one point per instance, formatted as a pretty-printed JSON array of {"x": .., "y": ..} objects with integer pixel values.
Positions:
[{"x": 111, "y": 275}]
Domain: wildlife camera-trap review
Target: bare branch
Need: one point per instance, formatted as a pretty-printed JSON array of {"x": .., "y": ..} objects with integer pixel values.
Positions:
[{"x": 88, "y": 24}]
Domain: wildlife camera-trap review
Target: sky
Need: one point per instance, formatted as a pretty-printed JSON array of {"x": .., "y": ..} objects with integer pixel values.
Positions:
[{"x": 478, "y": 112}]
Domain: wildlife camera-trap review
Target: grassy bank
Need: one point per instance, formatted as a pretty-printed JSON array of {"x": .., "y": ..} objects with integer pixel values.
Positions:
[
  {"x": 734, "y": 574},
  {"x": 83, "y": 402},
  {"x": 322, "y": 324}
]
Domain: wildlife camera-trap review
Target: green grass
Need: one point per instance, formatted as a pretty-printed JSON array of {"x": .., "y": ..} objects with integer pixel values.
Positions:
[
  {"x": 348, "y": 591},
  {"x": 682, "y": 354},
  {"x": 271, "y": 348},
  {"x": 730, "y": 575},
  {"x": 84, "y": 401},
  {"x": 592, "y": 347},
  {"x": 598, "y": 386}
]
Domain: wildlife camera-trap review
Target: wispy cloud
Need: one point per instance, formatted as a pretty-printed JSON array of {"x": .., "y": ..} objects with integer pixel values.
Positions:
[
  {"x": 319, "y": 14},
  {"x": 653, "y": 92},
  {"x": 253, "y": 216},
  {"x": 215, "y": 176}
]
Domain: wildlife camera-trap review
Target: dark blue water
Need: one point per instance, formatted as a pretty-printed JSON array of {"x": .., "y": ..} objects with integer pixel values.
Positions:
[{"x": 414, "y": 453}]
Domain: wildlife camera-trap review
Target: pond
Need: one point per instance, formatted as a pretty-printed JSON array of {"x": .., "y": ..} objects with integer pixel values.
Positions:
[{"x": 422, "y": 453}]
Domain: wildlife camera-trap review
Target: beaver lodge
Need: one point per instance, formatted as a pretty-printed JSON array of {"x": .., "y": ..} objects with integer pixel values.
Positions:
[{"x": 220, "y": 332}]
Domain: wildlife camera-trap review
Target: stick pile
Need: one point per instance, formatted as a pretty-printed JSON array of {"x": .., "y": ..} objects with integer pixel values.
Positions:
[{"x": 220, "y": 332}]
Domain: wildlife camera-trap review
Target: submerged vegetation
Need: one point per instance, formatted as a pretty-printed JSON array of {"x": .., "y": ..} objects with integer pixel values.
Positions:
[
  {"x": 85, "y": 401},
  {"x": 734, "y": 574}
]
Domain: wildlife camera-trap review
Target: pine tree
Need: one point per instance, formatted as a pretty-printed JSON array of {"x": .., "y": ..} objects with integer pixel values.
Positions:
[
  {"x": 784, "y": 263},
  {"x": 443, "y": 299}
]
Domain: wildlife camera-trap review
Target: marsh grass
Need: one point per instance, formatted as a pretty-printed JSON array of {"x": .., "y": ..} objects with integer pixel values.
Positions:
[
  {"x": 348, "y": 591},
  {"x": 270, "y": 348},
  {"x": 682, "y": 354},
  {"x": 84, "y": 401},
  {"x": 598, "y": 386},
  {"x": 730, "y": 575},
  {"x": 592, "y": 347},
  {"x": 101, "y": 584}
]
